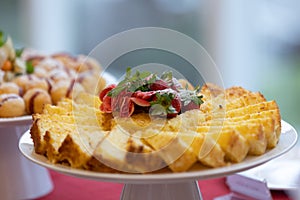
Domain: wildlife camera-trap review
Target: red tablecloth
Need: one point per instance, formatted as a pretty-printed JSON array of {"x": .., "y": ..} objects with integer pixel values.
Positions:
[{"x": 72, "y": 188}]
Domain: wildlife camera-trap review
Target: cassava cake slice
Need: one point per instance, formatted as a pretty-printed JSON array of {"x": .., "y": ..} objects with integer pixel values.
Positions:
[
  {"x": 65, "y": 139},
  {"x": 254, "y": 111},
  {"x": 231, "y": 141},
  {"x": 78, "y": 147},
  {"x": 252, "y": 132},
  {"x": 53, "y": 114},
  {"x": 231, "y": 98},
  {"x": 53, "y": 133},
  {"x": 68, "y": 107},
  {"x": 268, "y": 121},
  {"x": 186, "y": 149},
  {"x": 188, "y": 120},
  {"x": 121, "y": 151},
  {"x": 172, "y": 149}
]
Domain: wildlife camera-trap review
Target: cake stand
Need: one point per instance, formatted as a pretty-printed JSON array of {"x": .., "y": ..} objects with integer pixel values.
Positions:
[
  {"x": 166, "y": 185},
  {"x": 20, "y": 178}
]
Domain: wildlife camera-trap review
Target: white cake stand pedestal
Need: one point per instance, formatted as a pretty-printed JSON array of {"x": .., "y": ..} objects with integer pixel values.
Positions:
[
  {"x": 20, "y": 178},
  {"x": 171, "y": 191}
]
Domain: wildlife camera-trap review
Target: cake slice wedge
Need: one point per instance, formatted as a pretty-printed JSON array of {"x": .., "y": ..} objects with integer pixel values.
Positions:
[
  {"x": 122, "y": 151},
  {"x": 78, "y": 147},
  {"x": 176, "y": 153},
  {"x": 208, "y": 152},
  {"x": 253, "y": 132},
  {"x": 51, "y": 134},
  {"x": 231, "y": 141}
]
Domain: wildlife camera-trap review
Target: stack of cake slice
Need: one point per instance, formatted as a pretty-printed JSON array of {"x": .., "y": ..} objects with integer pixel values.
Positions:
[
  {"x": 76, "y": 134},
  {"x": 68, "y": 132},
  {"x": 229, "y": 126}
]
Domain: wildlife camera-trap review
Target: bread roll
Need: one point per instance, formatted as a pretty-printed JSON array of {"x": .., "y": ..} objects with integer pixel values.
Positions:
[
  {"x": 10, "y": 88},
  {"x": 35, "y": 99},
  {"x": 11, "y": 105},
  {"x": 64, "y": 89}
]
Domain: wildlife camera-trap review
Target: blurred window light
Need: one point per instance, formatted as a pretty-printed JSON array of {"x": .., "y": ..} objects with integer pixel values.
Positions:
[
  {"x": 279, "y": 20},
  {"x": 48, "y": 26},
  {"x": 177, "y": 6}
]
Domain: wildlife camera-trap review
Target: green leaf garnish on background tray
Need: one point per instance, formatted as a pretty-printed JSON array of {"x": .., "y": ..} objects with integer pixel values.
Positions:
[
  {"x": 19, "y": 52},
  {"x": 29, "y": 67},
  {"x": 3, "y": 38}
]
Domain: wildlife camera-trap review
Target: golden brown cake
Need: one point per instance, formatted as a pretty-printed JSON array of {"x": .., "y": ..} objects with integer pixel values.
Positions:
[
  {"x": 145, "y": 129},
  {"x": 212, "y": 146}
]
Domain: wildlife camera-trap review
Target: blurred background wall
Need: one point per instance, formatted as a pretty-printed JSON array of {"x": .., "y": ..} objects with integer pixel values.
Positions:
[{"x": 255, "y": 44}]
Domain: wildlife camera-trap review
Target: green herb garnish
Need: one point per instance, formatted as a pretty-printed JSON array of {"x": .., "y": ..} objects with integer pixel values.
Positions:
[
  {"x": 29, "y": 67},
  {"x": 3, "y": 38},
  {"x": 135, "y": 82},
  {"x": 165, "y": 100},
  {"x": 187, "y": 96},
  {"x": 19, "y": 52},
  {"x": 167, "y": 76}
]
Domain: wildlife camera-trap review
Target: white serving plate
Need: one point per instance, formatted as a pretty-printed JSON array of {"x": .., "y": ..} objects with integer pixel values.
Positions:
[
  {"x": 165, "y": 186},
  {"x": 282, "y": 173},
  {"x": 287, "y": 141}
]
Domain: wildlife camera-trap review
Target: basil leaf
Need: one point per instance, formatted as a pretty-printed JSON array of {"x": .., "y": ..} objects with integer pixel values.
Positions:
[{"x": 133, "y": 82}]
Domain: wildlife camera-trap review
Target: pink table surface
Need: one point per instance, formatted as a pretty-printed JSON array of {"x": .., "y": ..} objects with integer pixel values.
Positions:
[{"x": 73, "y": 188}]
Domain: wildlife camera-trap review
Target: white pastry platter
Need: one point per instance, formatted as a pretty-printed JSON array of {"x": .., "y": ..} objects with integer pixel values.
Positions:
[
  {"x": 29, "y": 180},
  {"x": 16, "y": 121}
]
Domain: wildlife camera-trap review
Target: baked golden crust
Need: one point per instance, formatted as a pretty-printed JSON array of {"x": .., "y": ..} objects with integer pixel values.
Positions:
[{"x": 231, "y": 125}]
